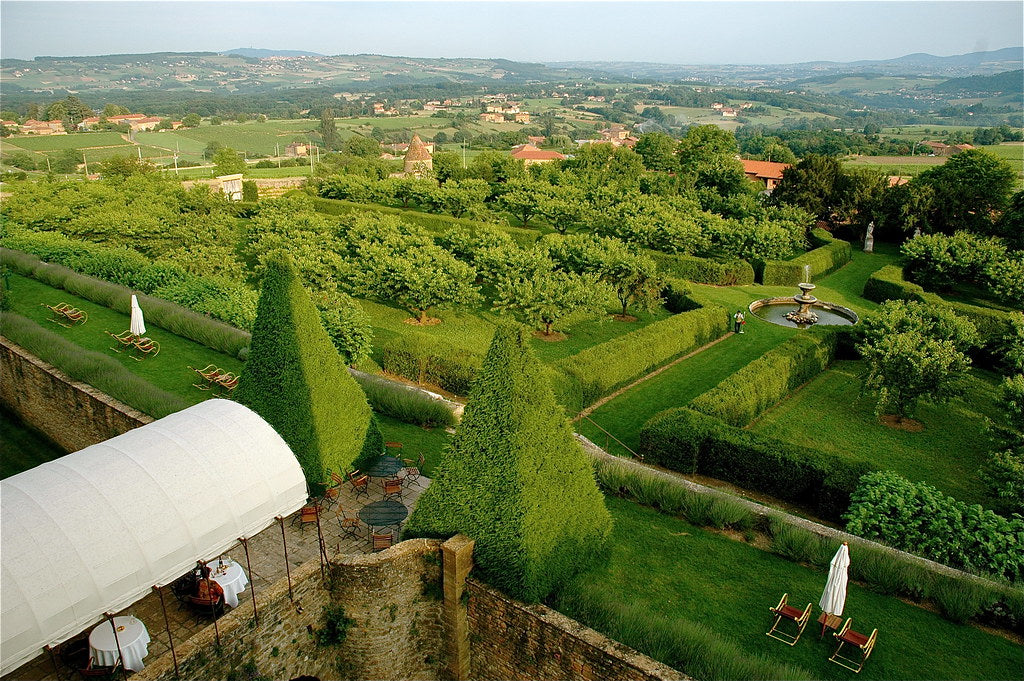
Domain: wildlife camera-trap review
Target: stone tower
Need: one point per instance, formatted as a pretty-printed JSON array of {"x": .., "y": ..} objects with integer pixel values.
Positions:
[{"x": 418, "y": 160}]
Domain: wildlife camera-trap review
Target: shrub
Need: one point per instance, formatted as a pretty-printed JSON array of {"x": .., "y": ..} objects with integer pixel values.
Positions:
[
  {"x": 827, "y": 258},
  {"x": 800, "y": 545},
  {"x": 602, "y": 368},
  {"x": 296, "y": 381},
  {"x": 958, "y": 599},
  {"x": 918, "y": 518},
  {"x": 746, "y": 394},
  {"x": 404, "y": 402},
  {"x": 250, "y": 191},
  {"x": 938, "y": 260},
  {"x": 689, "y": 442},
  {"x": 677, "y": 296},
  {"x": 170, "y": 316},
  {"x": 420, "y": 358},
  {"x": 94, "y": 368},
  {"x": 888, "y": 283},
  {"x": 704, "y": 270},
  {"x": 514, "y": 479},
  {"x": 334, "y": 626}
]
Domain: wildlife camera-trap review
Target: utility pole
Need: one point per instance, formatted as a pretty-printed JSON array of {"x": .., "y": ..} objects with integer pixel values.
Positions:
[{"x": 86, "y": 161}]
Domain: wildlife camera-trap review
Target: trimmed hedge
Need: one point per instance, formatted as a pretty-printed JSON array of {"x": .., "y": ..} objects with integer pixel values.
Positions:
[
  {"x": 704, "y": 270},
  {"x": 917, "y": 517},
  {"x": 422, "y": 359},
  {"x": 296, "y": 380},
  {"x": 994, "y": 326},
  {"x": 746, "y": 394},
  {"x": 678, "y": 295},
  {"x": 689, "y": 442},
  {"x": 404, "y": 402},
  {"x": 514, "y": 479},
  {"x": 601, "y": 369},
  {"x": 435, "y": 224},
  {"x": 830, "y": 255},
  {"x": 87, "y": 366},
  {"x": 170, "y": 316}
]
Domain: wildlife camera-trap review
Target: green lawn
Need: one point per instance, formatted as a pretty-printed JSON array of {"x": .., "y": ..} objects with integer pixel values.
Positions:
[
  {"x": 168, "y": 370},
  {"x": 415, "y": 440},
  {"x": 831, "y": 414},
  {"x": 22, "y": 447},
  {"x": 670, "y": 569}
]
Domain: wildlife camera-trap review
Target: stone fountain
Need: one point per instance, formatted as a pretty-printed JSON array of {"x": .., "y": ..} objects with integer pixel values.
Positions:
[{"x": 804, "y": 299}]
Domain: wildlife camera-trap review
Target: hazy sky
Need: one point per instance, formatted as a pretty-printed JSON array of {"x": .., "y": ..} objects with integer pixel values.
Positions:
[{"x": 673, "y": 32}]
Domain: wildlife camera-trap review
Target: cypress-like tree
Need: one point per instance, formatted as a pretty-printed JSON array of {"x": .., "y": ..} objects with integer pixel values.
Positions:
[
  {"x": 514, "y": 479},
  {"x": 295, "y": 379}
]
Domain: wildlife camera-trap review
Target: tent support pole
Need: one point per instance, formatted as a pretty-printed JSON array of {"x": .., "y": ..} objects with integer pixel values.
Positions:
[
  {"x": 287, "y": 569},
  {"x": 53, "y": 661},
  {"x": 167, "y": 624},
  {"x": 320, "y": 545},
  {"x": 252, "y": 578},
  {"x": 117, "y": 642},
  {"x": 213, "y": 603}
]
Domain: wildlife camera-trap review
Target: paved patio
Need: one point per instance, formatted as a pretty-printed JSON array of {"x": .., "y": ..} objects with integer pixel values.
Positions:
[{"x": 267, "y": 557}]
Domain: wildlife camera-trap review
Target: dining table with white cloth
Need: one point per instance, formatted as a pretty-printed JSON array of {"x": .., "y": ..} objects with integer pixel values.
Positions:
[
  {"x": 231, "y": 578},
  {"x": 132, "y": 637}
]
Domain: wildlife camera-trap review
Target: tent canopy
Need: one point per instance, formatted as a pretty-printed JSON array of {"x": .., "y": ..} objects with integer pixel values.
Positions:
[{"x": 95, "y": 530}]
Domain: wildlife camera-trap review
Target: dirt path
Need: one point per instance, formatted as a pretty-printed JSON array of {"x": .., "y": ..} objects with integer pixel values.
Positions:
[{"x": 601, "y": 402}]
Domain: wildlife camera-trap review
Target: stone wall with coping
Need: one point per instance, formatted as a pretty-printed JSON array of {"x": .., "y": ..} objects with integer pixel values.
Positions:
[
  {"x": 393, "y": 599},
  {"x": 71, "y": 413},
  {"x": 512, "y": 642}
]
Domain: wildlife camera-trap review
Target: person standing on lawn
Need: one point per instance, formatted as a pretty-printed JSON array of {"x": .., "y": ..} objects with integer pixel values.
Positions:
[{"x": 738, "y": 322}]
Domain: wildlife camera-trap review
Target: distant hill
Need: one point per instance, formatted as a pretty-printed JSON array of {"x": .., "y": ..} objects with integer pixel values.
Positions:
[
  {"x": 1008, "y": 81},
  {"x": 920, "y": 59},
  {"x": 259, "y": 53}
]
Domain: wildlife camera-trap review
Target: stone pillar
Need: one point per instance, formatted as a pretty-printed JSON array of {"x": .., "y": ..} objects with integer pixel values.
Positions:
[{"x": 457, "y": 555}]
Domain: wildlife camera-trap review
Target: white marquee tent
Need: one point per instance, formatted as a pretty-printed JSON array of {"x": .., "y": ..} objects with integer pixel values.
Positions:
[{"x": 95, "y": 530}]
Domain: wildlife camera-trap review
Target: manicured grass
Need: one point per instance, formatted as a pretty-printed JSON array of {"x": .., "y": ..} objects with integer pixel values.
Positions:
[
  {"x": 625, "y": 415},
  {"x": 832, "y": 415},
  {"x": 82, "y": 140},
  {"x": 414, "y": 440},
  {"x": 671, "y": 570},
  {"x": 168, "y": 370},
  {"x": 22, "y": 447}
]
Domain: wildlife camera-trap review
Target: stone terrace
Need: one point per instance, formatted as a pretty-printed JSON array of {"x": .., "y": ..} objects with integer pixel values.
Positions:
[{"x": 267, "y": 555}]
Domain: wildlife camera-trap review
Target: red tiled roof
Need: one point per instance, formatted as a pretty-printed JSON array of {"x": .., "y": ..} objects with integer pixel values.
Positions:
[
  {"x": 764, "y": 169},
  {"x": 896, "y": 180},
  {"x": 417, "y": 150},
  {"x": 529, "y": 152}
]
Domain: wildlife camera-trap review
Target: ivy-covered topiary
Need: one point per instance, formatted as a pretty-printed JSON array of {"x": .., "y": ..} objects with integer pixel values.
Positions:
[
  {"x": 514, "y": 479},
  {"x": 295, "y": 379}
]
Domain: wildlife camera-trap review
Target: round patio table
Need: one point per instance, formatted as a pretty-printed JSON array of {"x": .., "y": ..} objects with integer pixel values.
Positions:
[
  {"x": 384, "y": 467},
  {"x": 383, "y": 513}
]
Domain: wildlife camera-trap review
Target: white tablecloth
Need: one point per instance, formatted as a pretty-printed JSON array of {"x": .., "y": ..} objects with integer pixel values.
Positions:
[
  {"x": 232, "y": 579},
  {"x": 134, "y": 641}
]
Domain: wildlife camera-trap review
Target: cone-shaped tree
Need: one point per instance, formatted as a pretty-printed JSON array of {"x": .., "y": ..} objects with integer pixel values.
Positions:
[
  {"x": 295, "y": 379},
  {"x": 514, "y": 479}
]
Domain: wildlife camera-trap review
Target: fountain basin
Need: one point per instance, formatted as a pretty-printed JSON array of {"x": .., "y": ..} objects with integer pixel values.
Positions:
[{"x": 774, "y": 310}]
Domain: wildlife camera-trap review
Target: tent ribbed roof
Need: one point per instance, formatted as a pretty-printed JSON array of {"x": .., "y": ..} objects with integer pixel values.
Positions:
[
  {"x": 95, "y": 530},
  {"x": 417, "y": 150}
]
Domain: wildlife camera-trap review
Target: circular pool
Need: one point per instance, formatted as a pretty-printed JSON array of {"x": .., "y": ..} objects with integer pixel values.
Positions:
[{"x": 774, "y": 310}]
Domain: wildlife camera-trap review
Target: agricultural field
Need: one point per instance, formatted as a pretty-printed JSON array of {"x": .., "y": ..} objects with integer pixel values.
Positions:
[{"x": 865, "y": 85}]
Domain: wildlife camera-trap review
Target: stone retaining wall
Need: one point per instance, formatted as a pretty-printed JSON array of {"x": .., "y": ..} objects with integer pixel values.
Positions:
[
  {"x": 71, "y": 413},
  {"x": 512, "y": 642}
]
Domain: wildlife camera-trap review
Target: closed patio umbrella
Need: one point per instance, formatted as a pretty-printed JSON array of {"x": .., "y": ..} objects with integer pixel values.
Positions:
[
  {"x": 138, "y": 324},
  {"x": 834, "y": 597}
]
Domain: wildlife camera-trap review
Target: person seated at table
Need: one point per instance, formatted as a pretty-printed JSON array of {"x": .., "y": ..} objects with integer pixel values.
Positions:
[{"x": 208, "y": 589}]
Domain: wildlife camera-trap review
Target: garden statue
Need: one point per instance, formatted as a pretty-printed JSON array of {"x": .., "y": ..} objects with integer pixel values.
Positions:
[{"x": 869, "y": 238}]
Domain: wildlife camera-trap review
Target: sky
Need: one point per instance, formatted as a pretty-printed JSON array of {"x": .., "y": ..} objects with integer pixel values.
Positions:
[{"x": 675, "y": 32}]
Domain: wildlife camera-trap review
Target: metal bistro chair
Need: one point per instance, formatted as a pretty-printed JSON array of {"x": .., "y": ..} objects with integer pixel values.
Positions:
[
  {"x": 413, "y": 469},
  {"x": 865, "y": 644},
  {"x": 307, "y": 516},
  {"x": 361, "y": 485},
  {"x": 393, "y": 488},
  {"x": 382, "y": 540},
  {"x": 784, "y": 611},
  {"x": 351, "y": 526}
]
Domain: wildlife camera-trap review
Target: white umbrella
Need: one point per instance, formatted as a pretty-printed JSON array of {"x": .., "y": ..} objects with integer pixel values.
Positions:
[
  {"x": 138, "y": 325},
  {"x": 834, "y": 597}
]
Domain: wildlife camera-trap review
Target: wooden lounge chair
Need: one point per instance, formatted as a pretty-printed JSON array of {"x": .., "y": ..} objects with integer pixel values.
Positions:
[
  {"x": 146, "y": 347},
  {"x": 65, "y": 315},
  {"x": 75, "y": 316},
  {"x": 209, "y": 373},
  {"x": 57, "y": 311},
  {"x": 784, "y": 611},
  {"x": 125, "y": 339},
  {"x": 226, "y": 383},
  {"x": 382, "y": 540},
  {"x": 865, "y": 644}
]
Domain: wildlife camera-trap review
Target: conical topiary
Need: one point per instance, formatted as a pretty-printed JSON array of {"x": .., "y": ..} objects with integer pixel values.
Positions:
[
  {"x": 514, "y": 479},
  {"x": 295, "y": 379}
]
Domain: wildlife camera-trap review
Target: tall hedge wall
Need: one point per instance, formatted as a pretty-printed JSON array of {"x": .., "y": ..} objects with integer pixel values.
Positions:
[
  {"x": 435, "y": 224},
  {"x": 744, "y": 395},
  {"x": 600, "y": 369},
  {"x": 830, "y": 255},
  {"x": 689, "y": 442},
  {"x": 295, "y": 379},
  {"x": 704, "y": 270},
  {"x": 423, "y": 359},
  {"x": 515, "y": 480}
]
